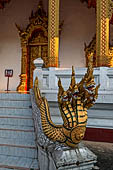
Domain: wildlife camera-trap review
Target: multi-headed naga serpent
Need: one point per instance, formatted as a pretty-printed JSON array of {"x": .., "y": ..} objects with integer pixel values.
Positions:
[{"x": 73, "y": 105}]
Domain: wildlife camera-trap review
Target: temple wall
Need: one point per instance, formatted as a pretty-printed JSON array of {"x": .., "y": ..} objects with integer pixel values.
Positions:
[{"x": 79, "y": 27}]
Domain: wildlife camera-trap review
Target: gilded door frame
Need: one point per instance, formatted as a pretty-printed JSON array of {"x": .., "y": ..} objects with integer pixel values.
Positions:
[{"x": 37, "y": 21}]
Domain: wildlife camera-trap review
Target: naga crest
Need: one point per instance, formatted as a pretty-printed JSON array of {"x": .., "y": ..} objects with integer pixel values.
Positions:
[{"x": 73, "y": 105}]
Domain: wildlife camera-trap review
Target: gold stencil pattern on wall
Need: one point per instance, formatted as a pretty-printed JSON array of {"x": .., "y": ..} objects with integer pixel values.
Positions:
[
  {"x": 104, "y": 10},
  {"x": 53, "y": 33}
]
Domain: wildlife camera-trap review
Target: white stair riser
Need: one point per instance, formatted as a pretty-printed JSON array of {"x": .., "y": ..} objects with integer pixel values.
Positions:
[
  {"x": 15, "y": 104},
  {"x": 14, "y": 127},
  {"x": 20, "y": 111},
  {"x": 14, "y": 96},
  {"x": 17, "y": 142},
  {"x": 16, "y": 135},
  {"x": 16, "y": 151},
  {"x": 17, "y": 138},
  {"x": 19, "y": 162},
  {"x": 17, "y": 122}
]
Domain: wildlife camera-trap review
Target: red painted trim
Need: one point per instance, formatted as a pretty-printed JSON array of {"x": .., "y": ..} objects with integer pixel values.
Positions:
[{"x": 99, "y": 134}]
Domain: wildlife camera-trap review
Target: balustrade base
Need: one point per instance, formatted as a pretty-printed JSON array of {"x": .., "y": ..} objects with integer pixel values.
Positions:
[{"x": 80, "y": 158}]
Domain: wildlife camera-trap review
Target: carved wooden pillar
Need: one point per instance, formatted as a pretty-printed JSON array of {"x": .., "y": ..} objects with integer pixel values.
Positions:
[
  {"x": 53, "y": 33},
  {"x": 104, "y": 14}
]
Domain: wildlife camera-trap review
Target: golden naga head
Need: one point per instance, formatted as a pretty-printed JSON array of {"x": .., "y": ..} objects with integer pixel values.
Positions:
[
  {"x": 73, "y": 105},
  {"x": 85, "y": 90}
]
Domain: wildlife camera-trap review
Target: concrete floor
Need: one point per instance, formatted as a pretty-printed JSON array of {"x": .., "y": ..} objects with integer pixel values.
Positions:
[{"x": 104, "y": 152}]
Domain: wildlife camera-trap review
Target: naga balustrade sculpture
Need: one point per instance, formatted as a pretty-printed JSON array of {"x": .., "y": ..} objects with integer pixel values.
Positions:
[{"x": 73, "y": 105}]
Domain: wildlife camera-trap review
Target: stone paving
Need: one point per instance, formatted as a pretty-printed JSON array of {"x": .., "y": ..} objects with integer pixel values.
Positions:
[{"x": 17, "y": 140}]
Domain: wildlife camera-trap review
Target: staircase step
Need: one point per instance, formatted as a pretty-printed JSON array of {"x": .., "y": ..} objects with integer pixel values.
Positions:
[
  {"x": 25, "y": 152},
  {"x": 16, "y": 111},
  {"x": 17, "y": 128},
  {"x": 17, "y": 134},
  {"x": 14, "y": 96},
  {"x": 18, "y": 163},
  {"x": 16, "y": 121},
  {"x": 17, "y": 139},
  {"x": 17, "y": 142},
  {"x": 15, "y": 104},
  {"x": 15, "y": 117},
  {"x": 7, "y": 169}
]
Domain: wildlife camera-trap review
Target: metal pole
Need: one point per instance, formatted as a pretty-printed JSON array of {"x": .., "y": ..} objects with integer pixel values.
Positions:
[{"x": 7, "y": 84}]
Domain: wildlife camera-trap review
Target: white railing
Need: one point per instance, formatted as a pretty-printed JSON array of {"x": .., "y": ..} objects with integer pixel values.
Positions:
[
  {"x": 101, "y": 115},
  {"x": 48, "y": 79}
]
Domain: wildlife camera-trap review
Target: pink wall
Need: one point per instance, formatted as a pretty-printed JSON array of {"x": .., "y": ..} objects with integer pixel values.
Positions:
[
  {"x": 17, "y": 11},
  {"x": 79, "y": 27}
]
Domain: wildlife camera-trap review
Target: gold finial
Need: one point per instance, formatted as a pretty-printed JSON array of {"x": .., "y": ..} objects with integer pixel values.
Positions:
[
  {"x": 90, "y": 63},
  {"x": 59, "y": 82},
  {"x": 73, "y": 71},
  {"x": 73, "y": 82},
  {"x": 61, "y": 89}
]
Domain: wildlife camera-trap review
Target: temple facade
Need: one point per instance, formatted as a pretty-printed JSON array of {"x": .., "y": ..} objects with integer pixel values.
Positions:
[
  {"x": 61, "y": 33},
  {"x": 77, "y": 24}
]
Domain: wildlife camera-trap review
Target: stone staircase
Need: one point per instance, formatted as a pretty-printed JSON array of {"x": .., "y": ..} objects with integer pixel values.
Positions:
[{"x": 17, "y": 138}]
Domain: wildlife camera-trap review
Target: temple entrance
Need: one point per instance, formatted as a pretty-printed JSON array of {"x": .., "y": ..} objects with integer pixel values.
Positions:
[
  {"x": 37, "y": 48},
  {"x": 34, "y": 43}
]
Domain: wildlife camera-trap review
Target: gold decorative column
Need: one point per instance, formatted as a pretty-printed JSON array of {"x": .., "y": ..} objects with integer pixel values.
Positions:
[
  {"x": 53, "y": 33},
  {"x": 23, "y": 77},
  {"x": 104, "y": 13}
]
